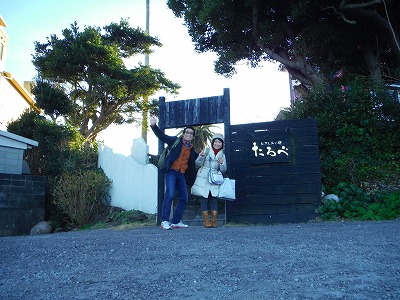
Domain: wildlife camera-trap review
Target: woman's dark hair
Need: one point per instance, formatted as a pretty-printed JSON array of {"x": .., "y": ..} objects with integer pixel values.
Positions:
[{"x": 213, "y": 140}]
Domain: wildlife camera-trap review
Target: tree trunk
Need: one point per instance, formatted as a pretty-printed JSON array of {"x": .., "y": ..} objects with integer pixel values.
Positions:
[{"x": 372, "y": 62}]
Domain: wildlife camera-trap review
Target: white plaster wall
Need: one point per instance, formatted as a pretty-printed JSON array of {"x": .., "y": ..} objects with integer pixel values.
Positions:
[
  {"x": 12, "y": 105},
  {"x": 134, "y": 181}
]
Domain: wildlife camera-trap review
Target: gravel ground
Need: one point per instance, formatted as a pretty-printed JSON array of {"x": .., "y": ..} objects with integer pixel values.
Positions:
[{"x": 325, "y": 260}]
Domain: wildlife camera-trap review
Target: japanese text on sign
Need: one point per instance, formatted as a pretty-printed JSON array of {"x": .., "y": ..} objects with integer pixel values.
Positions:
[
  {"x": 270, "y": 146},
  {"x": 272, "y": 149}
]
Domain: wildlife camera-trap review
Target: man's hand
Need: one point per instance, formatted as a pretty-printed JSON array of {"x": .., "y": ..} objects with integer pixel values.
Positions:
[{"x": 153, "y": 121}]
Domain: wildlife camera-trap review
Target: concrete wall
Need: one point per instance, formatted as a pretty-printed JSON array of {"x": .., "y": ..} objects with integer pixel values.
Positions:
[
  {"x": 22, "y": 203},
  {"x": 134, "y": 180}
]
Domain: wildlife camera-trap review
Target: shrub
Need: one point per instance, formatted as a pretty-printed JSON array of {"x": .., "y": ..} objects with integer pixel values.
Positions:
[
  {"x": 61, "y": 149},
  {"x": 81, "y": 195},
  {"x": 358, "y": 133},
  {"x": 354, "y": 204},
  {"x": 119, "y": 216}
]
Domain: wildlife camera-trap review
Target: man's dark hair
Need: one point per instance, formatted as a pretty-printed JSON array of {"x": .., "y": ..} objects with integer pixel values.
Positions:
[{"x": 190, "y": 127}]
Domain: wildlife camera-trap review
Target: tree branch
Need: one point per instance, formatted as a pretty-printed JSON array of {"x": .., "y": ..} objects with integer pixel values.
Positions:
[
  {"x": 340, "y": 14},
  {"x": 345, "y": 5}
]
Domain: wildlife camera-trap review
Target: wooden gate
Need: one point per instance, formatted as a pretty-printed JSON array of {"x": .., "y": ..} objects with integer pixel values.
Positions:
[
  {"x": 275, "y": 164},
  {"x": 277, "y": 170},
  {"x": 192, "y": 112}
]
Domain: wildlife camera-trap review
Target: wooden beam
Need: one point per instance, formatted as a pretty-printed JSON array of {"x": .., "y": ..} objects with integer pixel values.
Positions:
[{"x": 21, "y": 90}]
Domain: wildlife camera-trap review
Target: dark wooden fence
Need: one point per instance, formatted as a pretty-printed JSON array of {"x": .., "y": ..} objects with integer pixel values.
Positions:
[
  {"x": 277, "y": 170},
  {"x": 271, "y": 187}
]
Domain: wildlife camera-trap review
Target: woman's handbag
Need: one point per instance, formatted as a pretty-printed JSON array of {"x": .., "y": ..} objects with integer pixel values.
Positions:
[
  {"x": 227, "y": 190},
  {"x": 215, "y": 177}
]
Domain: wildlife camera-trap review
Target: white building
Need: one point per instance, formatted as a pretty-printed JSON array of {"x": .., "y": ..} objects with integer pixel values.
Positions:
[{"x": 14, "y": 97}]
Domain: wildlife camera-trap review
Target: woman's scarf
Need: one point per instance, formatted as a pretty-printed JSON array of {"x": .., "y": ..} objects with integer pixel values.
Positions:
[{"x": 215, "y": 150}]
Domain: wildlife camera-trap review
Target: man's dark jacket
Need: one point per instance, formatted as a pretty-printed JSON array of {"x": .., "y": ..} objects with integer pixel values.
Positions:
[{"x": 190, "y": 174}]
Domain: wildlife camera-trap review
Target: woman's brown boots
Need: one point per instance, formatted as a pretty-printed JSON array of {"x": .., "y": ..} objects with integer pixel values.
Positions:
[
  {"x": 207, "y": 223},
  {"x": 214, "y": 215}
]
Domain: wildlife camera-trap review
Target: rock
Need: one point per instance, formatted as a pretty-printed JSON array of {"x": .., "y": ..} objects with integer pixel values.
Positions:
[
  {"x": 332, "y": 197},
  {"x": 42, "y": 227}
]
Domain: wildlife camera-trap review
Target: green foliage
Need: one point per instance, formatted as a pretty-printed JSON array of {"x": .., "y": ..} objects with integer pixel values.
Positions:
[
  {"x": 358, "y": 133},
  {"x": 88, "y": 66},
  {"x": 81, "y": 195},
  {"x": 311, "y": 39},
  {"x": 53, "y": 100},
  {"x": 126, "y": 217},
  {"x": 355, "y": 204},
  {"x": 330, "y": 210},
  {"x": 203, "y": 135},
  {"x": 61, "y": 149},
  {"x": 118, "y": 218},
  {"x": 353, "y": 200},
  {"x": 359, "y": 140}
]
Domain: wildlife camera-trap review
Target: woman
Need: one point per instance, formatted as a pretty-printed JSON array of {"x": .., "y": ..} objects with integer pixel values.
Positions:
[{"x": 213, "y": 158}]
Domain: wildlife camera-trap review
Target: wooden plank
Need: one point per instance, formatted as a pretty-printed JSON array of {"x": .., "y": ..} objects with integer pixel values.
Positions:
[
  {"x": 196, "y": 112},
  {"x": 278, "y": 189},
  {"x": 274, "y": 209},
  {"x": 245, "y": 141},
  {"x": 240, "y": 170},
  {"x": 204, "y": 119},
  {"x": 298, "y": 123},
  {"x": 282, "y": 179},
  {"x": 244, "y": 160},
  {"x": 270, "y": 219},
  {"x": 275, "y": 199}
]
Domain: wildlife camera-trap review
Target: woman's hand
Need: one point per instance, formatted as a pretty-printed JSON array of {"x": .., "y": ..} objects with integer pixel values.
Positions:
[
  {"x": 220, "y": 160},
  {"x": 202, "y": 154}
]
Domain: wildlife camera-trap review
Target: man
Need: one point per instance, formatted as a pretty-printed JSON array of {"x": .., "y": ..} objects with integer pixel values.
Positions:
[{"x": 179, "y": 171}]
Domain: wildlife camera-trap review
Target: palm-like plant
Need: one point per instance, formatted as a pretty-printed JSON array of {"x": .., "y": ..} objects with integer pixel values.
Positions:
[{"x": 203, "y": 135}]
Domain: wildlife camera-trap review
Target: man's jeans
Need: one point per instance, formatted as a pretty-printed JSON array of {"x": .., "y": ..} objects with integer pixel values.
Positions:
[{"x": 174, "y": 180}]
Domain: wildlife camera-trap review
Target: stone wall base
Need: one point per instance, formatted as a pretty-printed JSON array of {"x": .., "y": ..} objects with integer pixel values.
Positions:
[{"x": 22, "y": 203}]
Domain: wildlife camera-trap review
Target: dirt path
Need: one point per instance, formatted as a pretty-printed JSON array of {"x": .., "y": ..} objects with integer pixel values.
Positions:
[{"x": 327, "y": 260}]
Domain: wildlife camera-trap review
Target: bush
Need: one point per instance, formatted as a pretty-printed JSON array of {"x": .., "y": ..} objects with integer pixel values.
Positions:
[
  {"x": 120, "y": 216},
  {"x": 354, "y": 204},
  {"x": 61, "y": 149},
  {"x": 81, "y": 195},
  {"x": 358, "y": 133}
]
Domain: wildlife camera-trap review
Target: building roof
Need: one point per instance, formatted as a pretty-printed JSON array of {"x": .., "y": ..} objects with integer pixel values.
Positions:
[
  {"x": 17, "y": 138},
  {"x": 2, "y": 22}
]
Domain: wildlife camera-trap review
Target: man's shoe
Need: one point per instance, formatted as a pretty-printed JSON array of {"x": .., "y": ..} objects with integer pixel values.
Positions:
[
  {"x": 179, "y": 225},
  {"x": 165, "y": 225}
]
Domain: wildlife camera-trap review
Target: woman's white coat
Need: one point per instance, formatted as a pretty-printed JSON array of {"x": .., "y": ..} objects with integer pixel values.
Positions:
[{"x": 202, "y": 187}]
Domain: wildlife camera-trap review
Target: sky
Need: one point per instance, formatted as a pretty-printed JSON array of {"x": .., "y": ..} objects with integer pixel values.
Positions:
[{"x": 256, "y": 94}]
